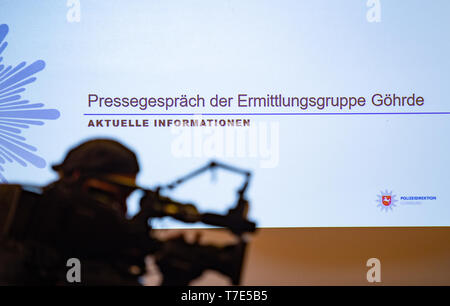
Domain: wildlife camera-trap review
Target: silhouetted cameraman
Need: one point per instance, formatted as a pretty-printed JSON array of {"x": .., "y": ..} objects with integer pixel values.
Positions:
[
  {"x": 82, "y": 215},
  {"x": 82, "y": 218}
]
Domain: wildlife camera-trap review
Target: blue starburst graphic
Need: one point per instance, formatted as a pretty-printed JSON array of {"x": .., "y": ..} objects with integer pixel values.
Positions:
[{"x": 17, "y": 114}]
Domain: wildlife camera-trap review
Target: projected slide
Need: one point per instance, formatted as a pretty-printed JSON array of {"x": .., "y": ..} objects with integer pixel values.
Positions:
[{"x": 340, "y": 110}]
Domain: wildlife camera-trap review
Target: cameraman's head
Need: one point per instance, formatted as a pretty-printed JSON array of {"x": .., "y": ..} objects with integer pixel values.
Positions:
[{"x": 102, "y": 169}]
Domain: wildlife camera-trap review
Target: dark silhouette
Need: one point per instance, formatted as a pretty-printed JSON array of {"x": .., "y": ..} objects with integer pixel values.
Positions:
[{"x": 83, "y": 215}]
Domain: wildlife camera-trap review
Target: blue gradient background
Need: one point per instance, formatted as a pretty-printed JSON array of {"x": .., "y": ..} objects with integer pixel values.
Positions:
[{"x": 331, "y": 168}]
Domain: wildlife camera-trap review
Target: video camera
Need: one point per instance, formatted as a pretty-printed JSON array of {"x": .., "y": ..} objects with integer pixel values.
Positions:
[
  {"x": 96, "y": 232},
  {"x": 179, "y": 261}
]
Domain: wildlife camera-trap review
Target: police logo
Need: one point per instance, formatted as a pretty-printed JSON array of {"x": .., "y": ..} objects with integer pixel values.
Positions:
[{"x": 386, "y": 200}]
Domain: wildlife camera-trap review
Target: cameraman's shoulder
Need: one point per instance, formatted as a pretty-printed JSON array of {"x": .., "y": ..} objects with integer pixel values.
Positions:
[
  {"x": 13, "y": 191},
  {"x": 12, "y": 194},
  {"x": 13, "y": 199}
]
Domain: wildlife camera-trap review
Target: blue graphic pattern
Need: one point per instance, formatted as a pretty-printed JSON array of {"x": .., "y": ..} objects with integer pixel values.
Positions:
[{"x": 17, "y": 114}]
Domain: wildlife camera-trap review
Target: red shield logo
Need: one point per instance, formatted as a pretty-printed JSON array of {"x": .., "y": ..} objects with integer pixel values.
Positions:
[{"x": 386, "y": 200}]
